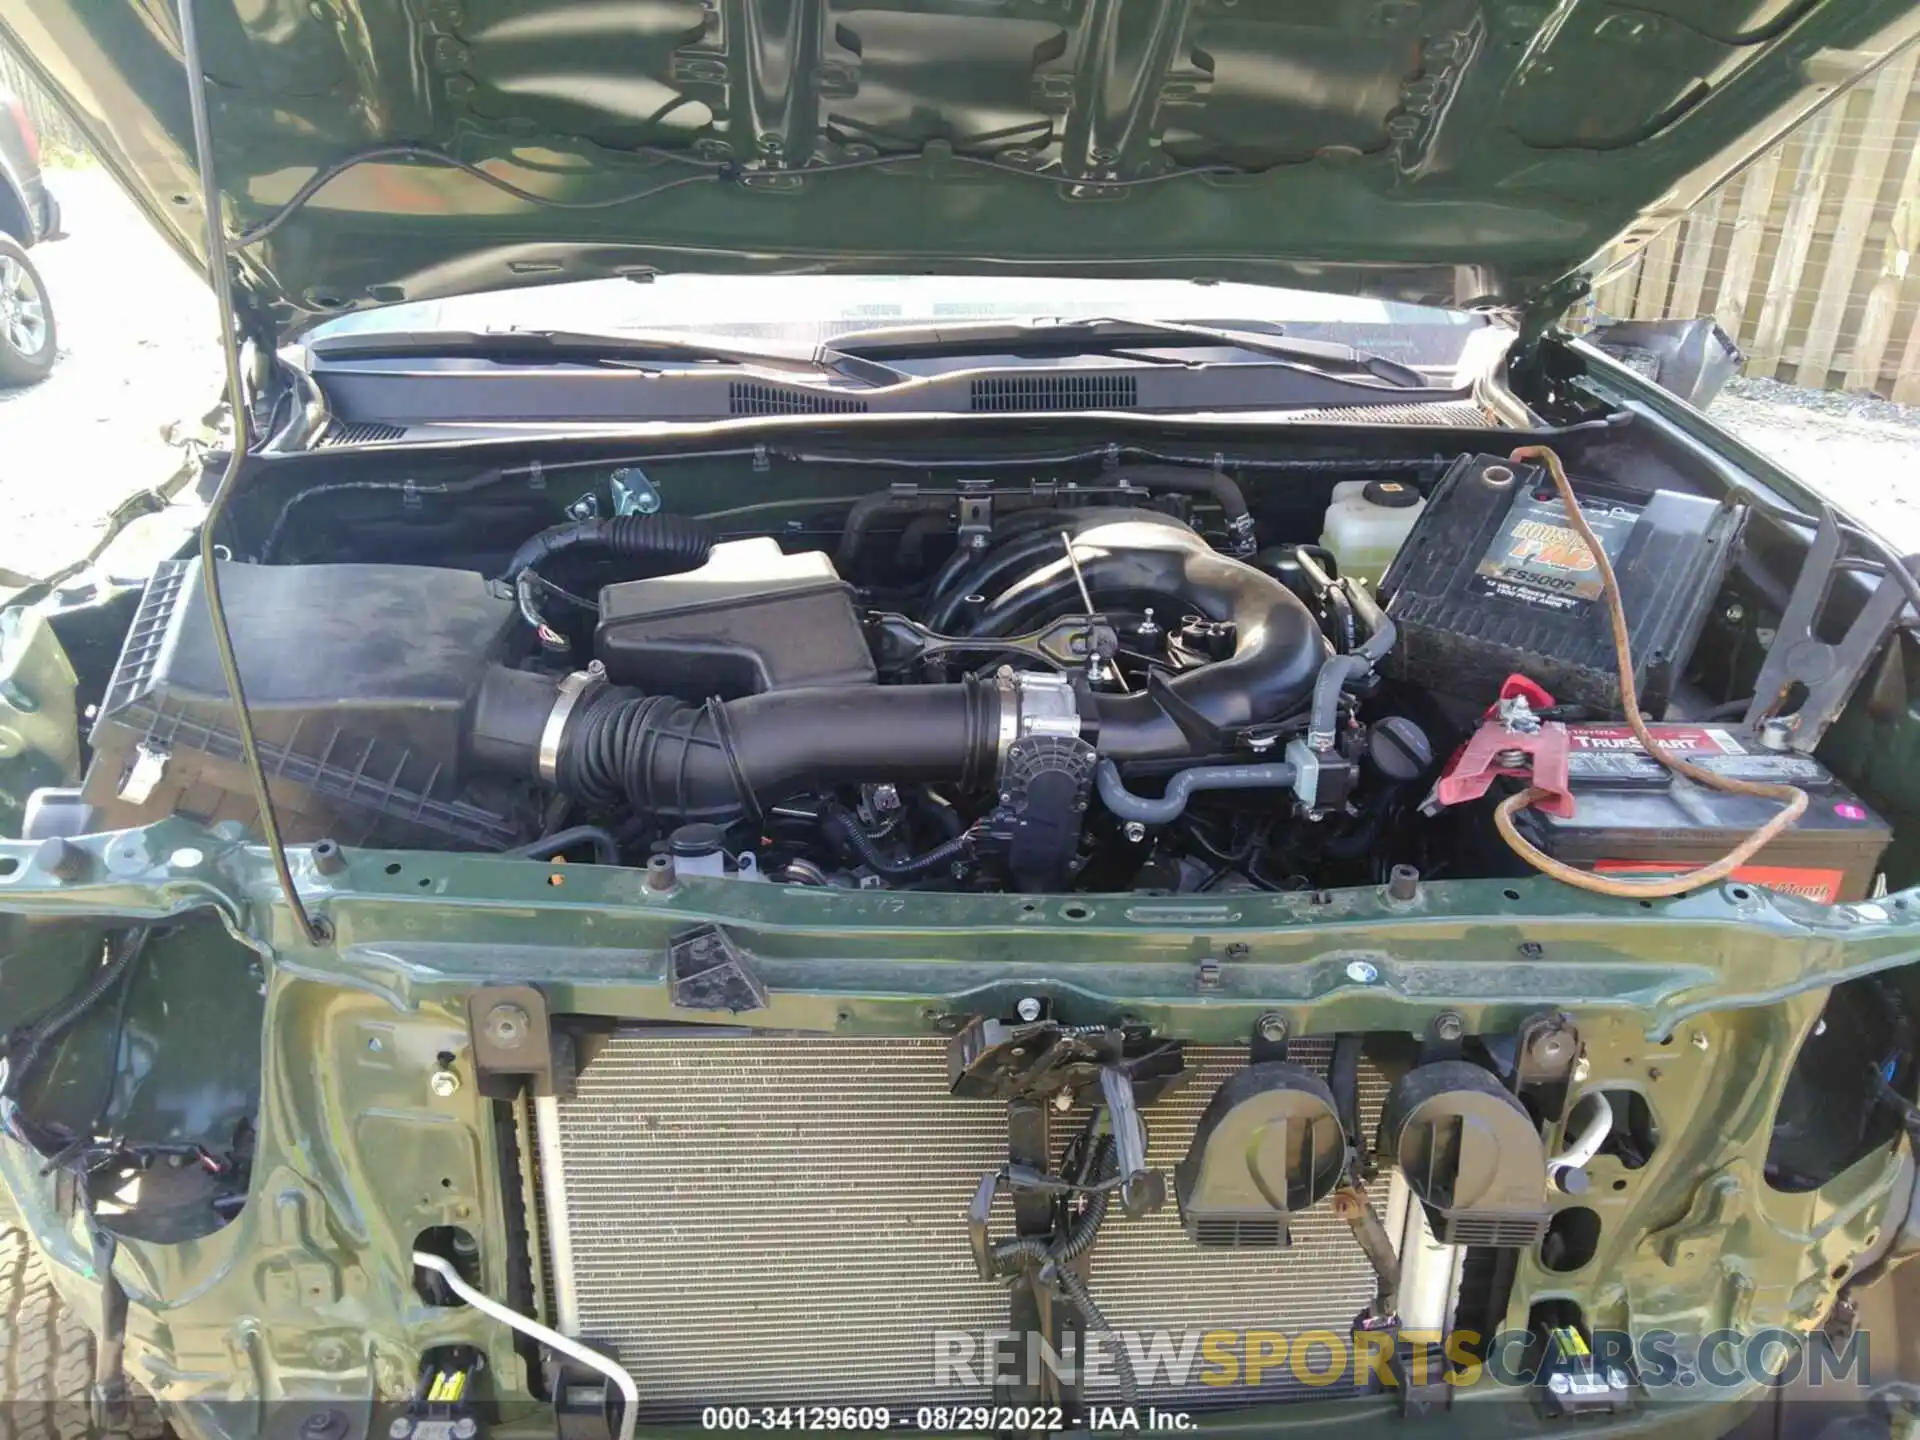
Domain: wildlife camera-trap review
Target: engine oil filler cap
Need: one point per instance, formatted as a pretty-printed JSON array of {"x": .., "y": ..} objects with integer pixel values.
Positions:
[
  {"x": 1268, "y": 1144},
  {"x": 1471, "y": 1152}
]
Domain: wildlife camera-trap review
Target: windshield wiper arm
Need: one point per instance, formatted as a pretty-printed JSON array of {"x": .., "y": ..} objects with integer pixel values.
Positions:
[
  {"x": 559, "y": 347},
  {"x": 1109, "y": 335}
]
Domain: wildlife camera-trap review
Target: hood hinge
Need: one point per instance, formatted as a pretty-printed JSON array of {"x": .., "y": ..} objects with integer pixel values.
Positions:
[{"x": 1540, "y": 315}]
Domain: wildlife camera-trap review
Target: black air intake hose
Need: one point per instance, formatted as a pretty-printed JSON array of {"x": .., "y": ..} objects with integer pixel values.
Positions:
[
  {"x": 664, "y": 544},
  {"x": 660, "y": 756}
]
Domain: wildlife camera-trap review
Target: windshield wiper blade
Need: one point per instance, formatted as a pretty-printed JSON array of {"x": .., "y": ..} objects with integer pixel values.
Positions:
[
  {"x": 1110, "y": 335},
  {"x": 576, "y": 347}
]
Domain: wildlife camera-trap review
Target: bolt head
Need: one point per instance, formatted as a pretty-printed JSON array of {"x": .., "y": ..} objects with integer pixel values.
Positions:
[
  {"x": 1362, "y": 972},
  {"x": 1448, "y": 1026},
  {"x": 464, "y": 1428},
  {"x": 1273, "y": 1028},
  {"x": 507, "y": 1026},
  {"x": 1029, "y": 1008},
  {"x": 444, "y": 1083},
  {"x": 1550, "y": 1046},
  {"x": 401, "y": 1428},
  {"x": 1135, "y": 832}
]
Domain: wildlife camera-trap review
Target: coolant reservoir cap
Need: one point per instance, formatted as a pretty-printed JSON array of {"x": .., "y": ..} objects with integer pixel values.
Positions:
[
  {"x": 1268, "y": 1144},
  {"x": 1471, "y": 1152},
  {"x": 1390, "y": 494}
]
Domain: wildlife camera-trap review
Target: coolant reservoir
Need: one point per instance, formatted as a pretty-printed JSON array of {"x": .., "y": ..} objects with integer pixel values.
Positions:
[{"x": 1366, "y": 524}]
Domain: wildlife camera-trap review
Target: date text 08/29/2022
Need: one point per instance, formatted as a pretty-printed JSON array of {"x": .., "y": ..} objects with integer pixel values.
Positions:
[{"x": 940, "y": 1419}]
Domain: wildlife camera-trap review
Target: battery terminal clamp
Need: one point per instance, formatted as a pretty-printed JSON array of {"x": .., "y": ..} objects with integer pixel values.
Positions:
[{"x": 1512, "y": 741}]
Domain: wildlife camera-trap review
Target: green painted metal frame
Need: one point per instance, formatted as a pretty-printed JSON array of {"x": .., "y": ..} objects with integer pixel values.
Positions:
[{"x": 1698, "y": 1003}]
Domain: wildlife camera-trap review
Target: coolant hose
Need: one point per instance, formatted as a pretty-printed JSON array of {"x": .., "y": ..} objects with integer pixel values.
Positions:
[
  {"x": 1341, "y": 671},
  {"x": 1323, "y": 715},
  {"x": 666, "y": 544},
  {"x": 842, "y": 825},
  {"x": 1214, "y": 485},
  {"x": 1181, "y": 787},
  {"x": 1381, "y": 633},
  {"x": 606, "y": 849}
]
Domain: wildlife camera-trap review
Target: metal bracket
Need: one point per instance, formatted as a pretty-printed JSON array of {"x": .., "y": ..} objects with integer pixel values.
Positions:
[
  {"x": 707, "y": 971},
  {"x": 1142, "y": 1191},
  {"x": 633, "y": 493},
  {"x": 1420, "y": 1369},
  {"x": 993, "y": 1060},
  {"x": 583, "y": 1401},
  {"x": 1797, "y": 656},
  {"x": 976, "y": 518},
  {"x": 1545, "y": 1049},
  {"x": 109, "y": 1401},
  {"x": 512, "y": 1041}
]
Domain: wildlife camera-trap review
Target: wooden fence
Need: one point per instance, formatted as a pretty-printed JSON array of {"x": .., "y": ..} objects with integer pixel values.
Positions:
[
  {"x": 1807, "y": 258},
  {"x": 59, "y": 138}
]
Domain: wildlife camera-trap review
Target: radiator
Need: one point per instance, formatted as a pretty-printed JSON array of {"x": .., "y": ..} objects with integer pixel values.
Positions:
[{"x": 767, "y": 1220}]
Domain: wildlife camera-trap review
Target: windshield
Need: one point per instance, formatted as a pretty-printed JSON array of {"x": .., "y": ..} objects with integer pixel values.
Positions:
[{"x": 810, "y": 309}]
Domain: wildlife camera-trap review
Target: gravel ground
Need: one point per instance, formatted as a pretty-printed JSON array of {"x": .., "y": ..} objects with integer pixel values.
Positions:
[
  {"x": 1862, "y": 452},
  {"x": 137, "y": 353}
]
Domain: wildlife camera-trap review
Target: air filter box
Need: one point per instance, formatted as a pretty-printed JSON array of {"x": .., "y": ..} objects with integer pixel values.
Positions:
[
  {"x": 1494, "y": 580},
  {"x": 359, "y": 679}
]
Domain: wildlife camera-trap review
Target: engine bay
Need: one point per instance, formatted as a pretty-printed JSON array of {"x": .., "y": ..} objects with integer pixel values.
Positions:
[{"x": 1129, "y": 676}]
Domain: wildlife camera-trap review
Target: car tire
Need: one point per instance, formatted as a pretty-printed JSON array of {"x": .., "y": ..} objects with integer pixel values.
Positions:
[
  {"x": 27, "y": 337},
  {"x": 46, "y": 1358}
]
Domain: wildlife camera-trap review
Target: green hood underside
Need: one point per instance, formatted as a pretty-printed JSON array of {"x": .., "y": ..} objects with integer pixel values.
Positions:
[{"x": 1441, "y": 151}]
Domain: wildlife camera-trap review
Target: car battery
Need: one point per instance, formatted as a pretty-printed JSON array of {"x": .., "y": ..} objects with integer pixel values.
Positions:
[
  {"x": 1494, "y": 580},
  {"x": 1632, "y": 816}
]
